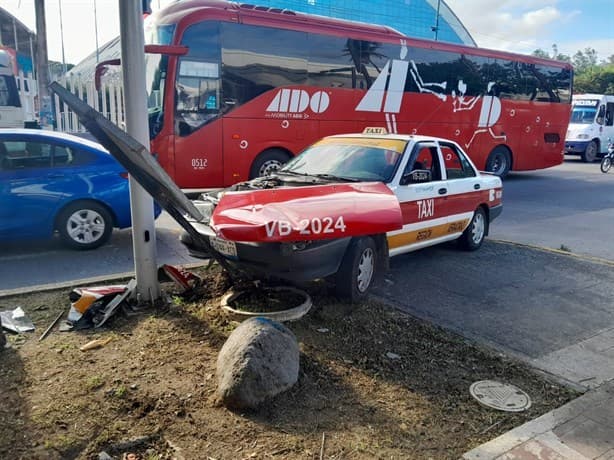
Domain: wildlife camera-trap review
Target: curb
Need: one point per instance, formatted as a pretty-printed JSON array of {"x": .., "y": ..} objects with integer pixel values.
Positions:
[
  {"x": 82, "y": 281},
  {"x": 594, "y": 259}
]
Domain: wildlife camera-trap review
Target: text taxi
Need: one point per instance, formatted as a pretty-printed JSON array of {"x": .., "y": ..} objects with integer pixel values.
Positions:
[{"x": 347, "y": 203}]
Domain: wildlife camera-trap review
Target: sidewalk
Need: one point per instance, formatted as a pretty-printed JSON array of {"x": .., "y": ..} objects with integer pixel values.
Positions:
[{"x": 580, "y": 430}]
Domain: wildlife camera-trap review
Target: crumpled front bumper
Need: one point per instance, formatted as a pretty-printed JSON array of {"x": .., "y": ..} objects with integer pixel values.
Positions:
[{"x": 296, "y": 262}]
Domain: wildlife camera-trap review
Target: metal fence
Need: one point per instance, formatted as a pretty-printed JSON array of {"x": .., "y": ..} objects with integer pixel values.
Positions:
[
  {"x": 109, "y": 101},
  {"x": 28, "y": 91}
]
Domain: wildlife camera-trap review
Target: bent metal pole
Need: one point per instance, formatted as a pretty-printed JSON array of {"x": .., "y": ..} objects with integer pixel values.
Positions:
[{"x": 135, "y": 104}]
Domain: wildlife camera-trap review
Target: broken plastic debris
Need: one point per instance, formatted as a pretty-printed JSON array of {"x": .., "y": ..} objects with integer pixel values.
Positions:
[
  {"x": 82, "y": 299},
  {"x": 16, "y": 320},
  {"x": 392, "y": 355},
  {"x": 184, "y": 279},
  {"x": 323, "y": 330},
  {"x": 93, "y": 306}
]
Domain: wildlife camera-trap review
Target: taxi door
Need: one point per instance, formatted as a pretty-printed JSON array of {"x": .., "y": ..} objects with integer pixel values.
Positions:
[
  {"x": 465, "y": 188},
  {"x": 424, "y": 204}
]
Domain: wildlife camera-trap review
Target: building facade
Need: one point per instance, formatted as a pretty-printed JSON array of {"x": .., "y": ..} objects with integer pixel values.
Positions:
[{"x": 430, "y": 19}]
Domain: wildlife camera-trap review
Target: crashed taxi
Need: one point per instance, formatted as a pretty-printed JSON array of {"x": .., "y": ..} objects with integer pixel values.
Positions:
[{"x": 346, "y": 204}]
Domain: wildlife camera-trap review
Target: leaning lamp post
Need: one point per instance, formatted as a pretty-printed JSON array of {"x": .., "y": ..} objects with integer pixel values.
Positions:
[{"x": 135, "y": 104}]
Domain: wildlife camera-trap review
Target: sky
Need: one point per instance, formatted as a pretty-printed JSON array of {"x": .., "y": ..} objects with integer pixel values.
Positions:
[{"x": 513, "y": 25}]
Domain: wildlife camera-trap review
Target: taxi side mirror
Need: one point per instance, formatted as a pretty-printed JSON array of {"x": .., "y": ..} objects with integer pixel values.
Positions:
[{"x": 417, "y": 176}]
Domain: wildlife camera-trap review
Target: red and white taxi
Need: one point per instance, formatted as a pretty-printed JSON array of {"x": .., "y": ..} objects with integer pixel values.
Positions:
[
  {"x": 338, "y": 210},
  {"x": 344, "y": 205}
]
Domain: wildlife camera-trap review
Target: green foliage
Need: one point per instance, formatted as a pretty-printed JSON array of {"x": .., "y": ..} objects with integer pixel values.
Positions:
[
  {"x": 598, "y": 79},
  {"x": 584, "y": 61}
]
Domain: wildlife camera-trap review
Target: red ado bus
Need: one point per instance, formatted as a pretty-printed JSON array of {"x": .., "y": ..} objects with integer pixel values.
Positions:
[{"x": 239, "y": 89}]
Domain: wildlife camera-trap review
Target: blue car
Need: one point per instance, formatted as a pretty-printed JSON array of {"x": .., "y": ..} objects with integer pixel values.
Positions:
[{"x": 52, "y": 182}]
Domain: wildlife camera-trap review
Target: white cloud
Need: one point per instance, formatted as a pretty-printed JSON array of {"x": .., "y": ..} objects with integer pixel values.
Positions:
[
  {"x": 512, "y": 25},
  {"x": 604, "y": 47}
]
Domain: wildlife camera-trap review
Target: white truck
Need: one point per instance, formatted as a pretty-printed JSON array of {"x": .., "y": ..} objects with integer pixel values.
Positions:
[
  {"x": 590, "y": 126},
  {"x": 11, "y": 111}
]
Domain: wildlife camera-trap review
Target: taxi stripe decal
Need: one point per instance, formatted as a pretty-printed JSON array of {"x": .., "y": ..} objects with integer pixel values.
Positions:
[{"x": 405, "y": 238}]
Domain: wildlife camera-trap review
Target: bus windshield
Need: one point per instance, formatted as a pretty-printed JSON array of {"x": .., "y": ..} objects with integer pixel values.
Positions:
[
  {"x": 155, "y": 73},
  {"x": 584, "y": 113},
  {"x": 155, "y": 78}
]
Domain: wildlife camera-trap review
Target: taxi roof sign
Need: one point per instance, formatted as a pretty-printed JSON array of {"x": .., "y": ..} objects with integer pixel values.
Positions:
[{"x": 375, "y": 130}]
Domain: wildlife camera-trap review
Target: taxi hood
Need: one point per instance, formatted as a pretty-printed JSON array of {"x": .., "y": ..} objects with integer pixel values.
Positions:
[{"x": 307, "y": 213}]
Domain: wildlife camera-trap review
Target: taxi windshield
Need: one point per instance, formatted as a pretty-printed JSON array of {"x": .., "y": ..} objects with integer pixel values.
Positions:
[{"x": 360, "y": 159}]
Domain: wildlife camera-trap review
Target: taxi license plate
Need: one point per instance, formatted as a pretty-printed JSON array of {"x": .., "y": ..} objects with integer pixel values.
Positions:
[{"x": 225, "y": 247}]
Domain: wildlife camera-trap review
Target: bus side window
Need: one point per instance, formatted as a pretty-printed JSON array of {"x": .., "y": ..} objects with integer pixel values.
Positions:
[{"x": 609, "y": 114}]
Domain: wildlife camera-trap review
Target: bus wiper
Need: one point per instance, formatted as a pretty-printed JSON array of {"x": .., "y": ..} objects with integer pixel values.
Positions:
[{"x": 337, "y": 178}]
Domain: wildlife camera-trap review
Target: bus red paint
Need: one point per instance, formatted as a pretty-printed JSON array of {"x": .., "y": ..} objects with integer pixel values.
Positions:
[{"x": 258, "y": 85}]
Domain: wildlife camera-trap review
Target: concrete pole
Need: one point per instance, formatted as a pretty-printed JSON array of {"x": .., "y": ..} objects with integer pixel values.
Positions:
[
  {"x": 42, "y": 66},
  {"x": 135, "y": 105}
]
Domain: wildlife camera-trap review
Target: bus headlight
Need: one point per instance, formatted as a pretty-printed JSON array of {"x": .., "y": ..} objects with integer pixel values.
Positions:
[{"x": 583, "y": 136}]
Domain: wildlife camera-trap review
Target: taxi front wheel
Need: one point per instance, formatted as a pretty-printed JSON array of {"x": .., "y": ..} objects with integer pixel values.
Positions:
[
  {"x": 473, "y": 236},
  {"x": 357, "y": 270}
]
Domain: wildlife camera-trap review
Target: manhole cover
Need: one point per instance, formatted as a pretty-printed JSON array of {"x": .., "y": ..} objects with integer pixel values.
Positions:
[{"x": 500, "y": 396}]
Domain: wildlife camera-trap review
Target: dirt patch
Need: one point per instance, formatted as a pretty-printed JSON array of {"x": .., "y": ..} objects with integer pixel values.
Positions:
[{"x": 373, "y": 384}]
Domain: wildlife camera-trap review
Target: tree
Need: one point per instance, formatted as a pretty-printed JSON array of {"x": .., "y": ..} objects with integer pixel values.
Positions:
[
  {"x": 540, "y": 53},
  {"x": 555, "y": 54},
  {"x": 599, "y": 80},
  {"x": 583, "y": 61}
]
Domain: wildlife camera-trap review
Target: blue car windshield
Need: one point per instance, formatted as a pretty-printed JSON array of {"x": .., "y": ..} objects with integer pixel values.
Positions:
[{"x": 361, "y": 159}]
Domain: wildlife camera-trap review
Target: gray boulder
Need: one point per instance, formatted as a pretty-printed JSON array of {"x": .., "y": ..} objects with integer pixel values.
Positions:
[{"x": 259, "y": 360}]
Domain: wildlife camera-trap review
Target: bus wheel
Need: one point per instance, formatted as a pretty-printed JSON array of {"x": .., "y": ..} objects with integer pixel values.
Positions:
[
  {"x": 499, "y": 161},
  {"x": 590, "y": 152},
  {"x": 268, "y": 162}
]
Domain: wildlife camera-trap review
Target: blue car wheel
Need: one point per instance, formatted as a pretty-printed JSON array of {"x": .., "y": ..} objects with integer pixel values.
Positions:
[{"x": 85, "y": 225}]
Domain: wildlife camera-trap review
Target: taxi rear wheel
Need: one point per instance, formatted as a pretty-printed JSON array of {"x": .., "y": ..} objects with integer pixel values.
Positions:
[
  {"x": 473, "y": 236},
  {"x": 357, "y": 270}
]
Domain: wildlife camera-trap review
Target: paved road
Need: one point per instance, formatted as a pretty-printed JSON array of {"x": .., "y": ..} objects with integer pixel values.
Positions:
[
  {"x": 571, "y": 205},
  {"x": 32, "y": 264}
]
